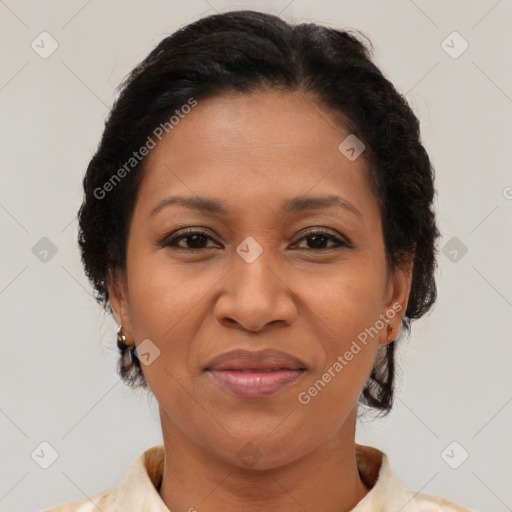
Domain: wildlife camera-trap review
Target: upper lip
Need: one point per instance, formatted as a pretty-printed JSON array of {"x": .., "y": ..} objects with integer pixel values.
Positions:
[{"x": 268, "y": 359}]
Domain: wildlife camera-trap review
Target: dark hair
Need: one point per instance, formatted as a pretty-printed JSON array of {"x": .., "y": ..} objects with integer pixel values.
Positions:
[{"x": 248, "y": 51}]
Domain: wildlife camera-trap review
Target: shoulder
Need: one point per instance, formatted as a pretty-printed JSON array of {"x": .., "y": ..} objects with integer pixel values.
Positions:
[
  {"x": 386, "y": 493},
  {"x": 104, "y": 501},
  {"x": 428, "y": 503},
  {"x": 418, "y": 502},
  {"x": 139, "y": 486}
]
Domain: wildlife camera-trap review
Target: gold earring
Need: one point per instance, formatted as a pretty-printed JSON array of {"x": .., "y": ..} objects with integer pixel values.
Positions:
[
  {"x": 390, "y": 330},
  {"x": 121, "y": 338},
  {"x": 121, "y": 343}
]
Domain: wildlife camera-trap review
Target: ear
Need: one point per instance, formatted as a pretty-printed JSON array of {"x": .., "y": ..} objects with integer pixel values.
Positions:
[
  {"x": 117, "y": 287},
  {"x": 396, "y": 298}
]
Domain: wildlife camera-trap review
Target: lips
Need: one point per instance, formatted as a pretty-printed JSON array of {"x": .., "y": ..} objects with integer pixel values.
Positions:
[
  {"x": 259, "y": 374},
  {"x": 262, "y": 360}
]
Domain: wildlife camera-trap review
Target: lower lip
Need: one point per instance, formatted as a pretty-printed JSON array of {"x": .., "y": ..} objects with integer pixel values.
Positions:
[{"x": 248, "y": 384}]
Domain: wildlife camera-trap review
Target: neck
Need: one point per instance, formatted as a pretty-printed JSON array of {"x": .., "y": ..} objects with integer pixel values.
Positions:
[{"x": 326, "y": 478}]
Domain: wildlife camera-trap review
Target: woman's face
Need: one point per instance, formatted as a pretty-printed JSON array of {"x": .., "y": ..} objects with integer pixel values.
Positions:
[{"x": 257, "y": 276}]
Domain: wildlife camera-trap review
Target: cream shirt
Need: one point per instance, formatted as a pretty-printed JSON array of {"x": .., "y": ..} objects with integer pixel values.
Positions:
[{"x": 138, "y": 491}]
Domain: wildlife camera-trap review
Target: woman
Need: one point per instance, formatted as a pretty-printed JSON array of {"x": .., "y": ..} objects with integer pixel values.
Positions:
[{"x": 258, "y": 219}]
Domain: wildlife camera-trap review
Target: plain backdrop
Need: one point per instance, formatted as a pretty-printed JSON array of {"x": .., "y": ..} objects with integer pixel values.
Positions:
[{"x": 58, "y": 353}]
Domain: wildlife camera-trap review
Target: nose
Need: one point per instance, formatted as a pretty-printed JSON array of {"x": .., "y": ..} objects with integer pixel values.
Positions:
[{"x": 255, "y": 295}]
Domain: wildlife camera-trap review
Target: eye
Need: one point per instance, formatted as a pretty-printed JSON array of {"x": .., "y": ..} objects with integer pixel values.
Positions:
[
  {"x": 319, "y": 237},
  {"x": 194, "y": 240}
]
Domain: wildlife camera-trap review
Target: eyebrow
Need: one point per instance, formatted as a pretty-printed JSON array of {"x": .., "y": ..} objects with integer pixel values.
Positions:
[{"x": 293, "y": 205}]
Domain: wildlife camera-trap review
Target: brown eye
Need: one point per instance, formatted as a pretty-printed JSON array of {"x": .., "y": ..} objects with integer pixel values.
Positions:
[
  {"x": 193, "y": 240},
  {"x": 317, "y": 240}
]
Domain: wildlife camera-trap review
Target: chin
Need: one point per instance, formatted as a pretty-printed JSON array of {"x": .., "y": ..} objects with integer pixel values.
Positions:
[{"x": 266, "y": 449}]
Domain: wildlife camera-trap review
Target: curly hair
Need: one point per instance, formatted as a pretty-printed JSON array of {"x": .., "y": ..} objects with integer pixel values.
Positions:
[{"x": 247, "y": 51}]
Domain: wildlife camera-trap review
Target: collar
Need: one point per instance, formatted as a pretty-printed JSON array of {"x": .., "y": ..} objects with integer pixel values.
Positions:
[{"x": 138, "y": 492}]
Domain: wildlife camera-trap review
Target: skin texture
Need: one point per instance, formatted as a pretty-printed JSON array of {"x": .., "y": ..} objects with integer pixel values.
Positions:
[{"x": 254, "y": 151}]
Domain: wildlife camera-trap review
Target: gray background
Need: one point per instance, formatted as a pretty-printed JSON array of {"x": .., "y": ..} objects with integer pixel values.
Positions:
[{"x": 58, "y": 354}]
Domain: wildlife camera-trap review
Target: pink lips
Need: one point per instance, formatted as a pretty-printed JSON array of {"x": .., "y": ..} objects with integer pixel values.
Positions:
[{"x": 255, "y": 374}]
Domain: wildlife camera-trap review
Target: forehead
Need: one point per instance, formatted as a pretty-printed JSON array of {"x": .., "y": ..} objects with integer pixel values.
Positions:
[
  {"x": 263, "y": 144},
  {"x": 260, "y": 122}
]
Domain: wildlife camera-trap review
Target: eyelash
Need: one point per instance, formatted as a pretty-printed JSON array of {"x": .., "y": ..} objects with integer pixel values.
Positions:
[{"x": 172, "y": 241}]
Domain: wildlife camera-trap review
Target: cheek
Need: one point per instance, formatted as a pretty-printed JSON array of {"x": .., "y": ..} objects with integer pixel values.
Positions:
[
  {"x": 346, "y": 300},
  {"x": 348, "y": 306},
  {"x": 167, "y": 306},
  {"x": 162, "y": 293}
]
